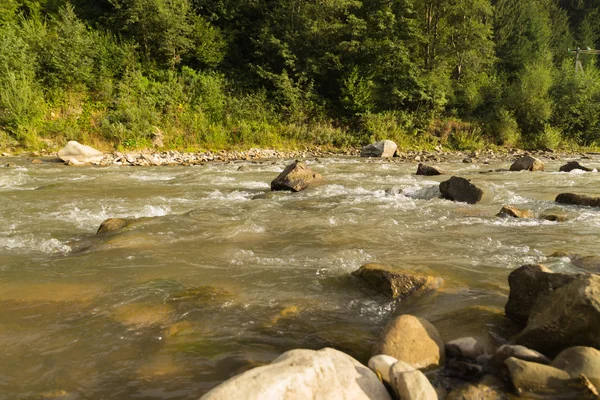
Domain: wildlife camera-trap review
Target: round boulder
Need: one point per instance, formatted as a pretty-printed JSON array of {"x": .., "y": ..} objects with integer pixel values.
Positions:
[
  {"x": 527, "y": 163},
  {"x": 412, "y": 340},
  {"x": 461, "y": 190},
  {"x": 578, "y": 361},
  {"x": 79, "y": 153}
]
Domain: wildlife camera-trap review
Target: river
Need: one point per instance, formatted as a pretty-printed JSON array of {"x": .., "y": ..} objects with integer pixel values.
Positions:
[{"x": 219, "y": 275}]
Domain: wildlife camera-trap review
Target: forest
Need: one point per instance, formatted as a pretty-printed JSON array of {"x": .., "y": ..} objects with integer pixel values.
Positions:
[{"x": 219, "y": 74}]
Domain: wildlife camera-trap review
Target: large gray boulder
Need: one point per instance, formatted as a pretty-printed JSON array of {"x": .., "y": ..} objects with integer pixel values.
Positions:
[
  {"x": 383, "y": 148},
  {"x": 578, "y": 361},
  {"x": 578, "y": 200},
  {"x": 296, "y": 177},
  {"x": 79, "y": 153},
  {"x": 412, "y": 340},
  {"x": 527, "y": 163},
  {"x": 396, "y": 283},
  {"x": 304, "y": 374},
  {"x": 568, "y": 316},
  {"x": 460, "y": 189},
  {"x": 527, "y": 283}
]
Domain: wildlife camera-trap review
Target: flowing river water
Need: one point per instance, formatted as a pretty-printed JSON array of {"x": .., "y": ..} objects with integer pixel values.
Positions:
[{"x": 220, "y": 275}]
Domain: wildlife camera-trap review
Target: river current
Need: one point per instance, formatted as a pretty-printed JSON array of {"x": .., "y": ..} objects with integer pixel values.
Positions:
[{"x": 219, "y": 275}]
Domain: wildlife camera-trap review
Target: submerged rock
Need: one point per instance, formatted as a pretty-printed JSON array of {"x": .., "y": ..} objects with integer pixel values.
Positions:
[
  {"x": 571, "y": 165},
  {"x": 527, "y": 283},
  {"x": 114, "y": 225},
  {"x": 396, "y": 283},
  {"x": 466, "y": 347},
  {"x": 383, "y": 148},
  {"x": 555, "y": 216},
  {"x": 578, "y": 200},
  {"x": 527, "y": 163},
  {"x": 489, "y": 388},
  {"x": 427, "y": 170},
  {"x": 578, "y": 361},
  {"x": 460, "y": 189},
  {"x": 80, "y": 153},
  {"x": 412, "y": 340},
  {"x": 138, "y": 315},
  {"x": 296, "y": 177},
  {"x": 304, "y": 374},
  {"x": 514, "y": 212},
  {"x": 567, "y": 316}
]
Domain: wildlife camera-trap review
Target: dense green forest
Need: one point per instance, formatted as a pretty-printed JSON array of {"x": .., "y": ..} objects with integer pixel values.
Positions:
[{"x": 241, "y": 73}]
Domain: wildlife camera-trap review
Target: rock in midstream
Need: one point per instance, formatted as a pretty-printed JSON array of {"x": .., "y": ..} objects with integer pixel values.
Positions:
[
  {"x": 571, "y": 165},
  {"x": 114, "y": 225},
  {"x": 527, "y": 163},
  {"x": 514, "y": 212},
  {"x": 396, "y": 283},
  {"x": 461, "y": 190},
  {"x": 578, "y": 200},
  {"x": 296, "y": 177},
  {"x": 427, "y": 170}
]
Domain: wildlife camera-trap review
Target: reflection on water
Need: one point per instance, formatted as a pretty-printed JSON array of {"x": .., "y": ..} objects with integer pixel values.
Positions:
[{"x": 223, "y": 276}]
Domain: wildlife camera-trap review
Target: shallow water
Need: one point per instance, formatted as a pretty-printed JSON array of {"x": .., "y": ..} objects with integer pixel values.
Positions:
[{"x": 221, "y": 277}]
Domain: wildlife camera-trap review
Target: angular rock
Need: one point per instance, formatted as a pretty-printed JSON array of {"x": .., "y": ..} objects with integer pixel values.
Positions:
[
  {"x": 296, "y": 177},
  {"x": 427, "y": 170},
  {"x": 381, "y": 365},
  {"x": 578, "y": 361},
  {"x": 383, "y": 148},
  {"x": 527, "y": 283},
  {"x": 304, "y": 374},
  {"x": 460, "y": 189},
  {"x": 520, "y": 352},
  {"x": 467, "y": 347},
  {"x": 395, "y": 283},
  {"x": 571, "y": 165},
  {"x": 412, "y": 340},
  {"x": 578, "y": 200},
  {"x": 527, "y": 163},
  {"x": 514, "y": 212},
  {"x": 79, "y": 153},
  {"x": 113, "y": 225},
  {"x": 567, "y": 316},
  {"x": 414, "y": 385},
  {"x": 537, "y": 378}
]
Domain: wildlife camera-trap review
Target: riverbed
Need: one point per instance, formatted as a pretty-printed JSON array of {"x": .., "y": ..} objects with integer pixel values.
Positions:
[{"x": 218, "y": 275}]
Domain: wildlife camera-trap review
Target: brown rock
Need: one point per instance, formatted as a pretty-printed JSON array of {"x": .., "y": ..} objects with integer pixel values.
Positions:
[
  {"x": 527, "y": 163},
  {"x": 427, "y": 170},
  {"x": 527, "y": 283},
  {"x": 555, "y": 217},
  {"x": 514, "y": 212},
  {"x": 413, "y": 340},
  {"x": 489, "y": 388},
  {"x": 567, "y": 316},
  {"x": 37, "y": 161},
  {"x": 537, "y": 378},
  {"x": 571, "y": 165},
  {"x": 578, "y": 361},
  {"x": 113, "y": 225},
  {"x": 460, "y": 189},
  {"x": 396, "y": 283},
  {"x": 578, "y": 200},
  {"x": 296, "y": 177}
]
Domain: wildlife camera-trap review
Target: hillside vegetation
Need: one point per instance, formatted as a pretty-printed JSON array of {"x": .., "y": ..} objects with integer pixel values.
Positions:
[{"x": 283, "y": 73}]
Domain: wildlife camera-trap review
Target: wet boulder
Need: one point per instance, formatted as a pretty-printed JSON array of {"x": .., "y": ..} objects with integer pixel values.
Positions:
[
  {"x": 527, "y": 284},
  {"x": 461, "y": 190},
  {"x": 114, "y": 225},
  {"x": 427, "y": 170},
  {"x": 514, "y": 212},
  {"x": 296, "y": 177},
  {"x": 567, "y": 316},
  {"x": 395, "y": 283},
  {"x": 527, "y": 163},
  {"x": 383, "y": 148},
  {"x": 580, "y": 360},
  {"x": 466, "y": 347},
  {"x": 555, "y": 216},
  {"x": 413, "y": 340},
  {"x": 537, "y": 378},
  {"x": 578, "y": 200},
  {"x": 571, "y": 165},
  {"x": 80, "y": 153},
  {"x": 304, "y": 374},
  {"x": 520, "y": 352}
]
